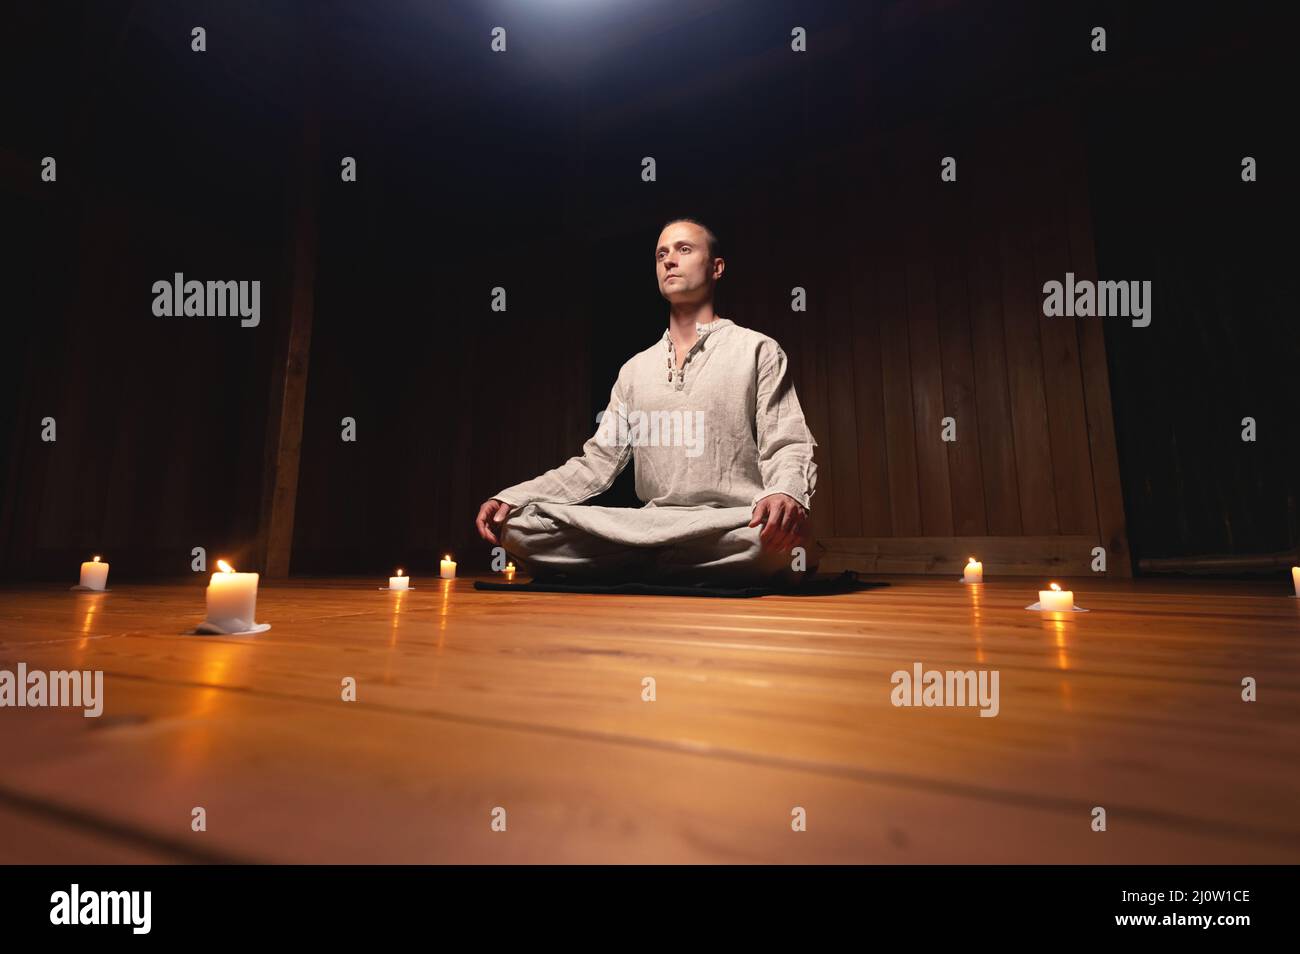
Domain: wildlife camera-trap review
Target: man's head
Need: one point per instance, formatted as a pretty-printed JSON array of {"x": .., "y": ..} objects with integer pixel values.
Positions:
[{"x": 687, "y": 261}]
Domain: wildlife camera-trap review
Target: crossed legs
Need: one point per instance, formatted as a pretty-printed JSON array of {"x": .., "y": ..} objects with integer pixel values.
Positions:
[{"x": 548, "y": 548}]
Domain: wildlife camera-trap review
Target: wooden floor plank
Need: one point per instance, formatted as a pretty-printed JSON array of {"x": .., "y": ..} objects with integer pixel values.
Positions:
[{"x": 37, "y": 834}]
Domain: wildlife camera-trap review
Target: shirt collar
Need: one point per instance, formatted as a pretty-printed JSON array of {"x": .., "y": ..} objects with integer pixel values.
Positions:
[{"x": 702, "y": 329}]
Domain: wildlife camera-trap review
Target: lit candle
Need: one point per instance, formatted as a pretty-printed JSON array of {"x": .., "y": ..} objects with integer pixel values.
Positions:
[
  {"x": 94, "y": 574},
  {"x": 974, "y": 572},
  {"x": 510, "y": 572},
  {"x": 447, "y": 569},
  {"x": 232, "y": 597},
  {"x": 399, "y": 582},
  {"x": 1295, "y": 579},
  {"x": 1056, "y": 598}
]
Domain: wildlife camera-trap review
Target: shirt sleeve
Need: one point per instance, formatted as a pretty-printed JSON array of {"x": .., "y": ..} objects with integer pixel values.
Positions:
[
  {"x": 592, "y": 472},
  {"x": 785, "y": 444}
]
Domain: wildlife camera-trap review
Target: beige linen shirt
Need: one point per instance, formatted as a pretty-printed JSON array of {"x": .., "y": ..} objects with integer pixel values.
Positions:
[{"x": 719, "y": 434}]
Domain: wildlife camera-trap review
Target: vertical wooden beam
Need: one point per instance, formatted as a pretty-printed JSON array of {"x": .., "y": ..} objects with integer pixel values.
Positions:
[
  {"x": 1107, "y": 485},
  {"x": 289, "y": 384}
]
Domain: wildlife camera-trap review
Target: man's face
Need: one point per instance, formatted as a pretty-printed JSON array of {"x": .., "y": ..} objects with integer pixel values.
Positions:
[{"x": 686, "y": 272}]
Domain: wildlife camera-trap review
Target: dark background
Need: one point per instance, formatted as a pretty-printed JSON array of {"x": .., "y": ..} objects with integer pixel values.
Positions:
[{"x": 523, "y": 170}]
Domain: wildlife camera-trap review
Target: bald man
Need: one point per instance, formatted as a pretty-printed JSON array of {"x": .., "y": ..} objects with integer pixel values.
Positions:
[{"x": 723, "y": 457}]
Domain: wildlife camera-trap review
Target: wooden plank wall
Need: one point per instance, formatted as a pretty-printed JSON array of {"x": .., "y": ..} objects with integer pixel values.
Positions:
[
  {"x": 160, "y": 421},
  {"x": 925, "y": 302},
  {"x": 454, "y": 402}
]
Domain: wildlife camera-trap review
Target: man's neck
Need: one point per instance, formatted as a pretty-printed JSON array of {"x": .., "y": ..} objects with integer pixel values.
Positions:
[{"x": 682, "y": 320}]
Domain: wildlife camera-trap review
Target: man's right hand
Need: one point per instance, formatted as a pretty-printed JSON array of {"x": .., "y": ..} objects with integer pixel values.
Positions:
[{"x": 491, "y": 518}]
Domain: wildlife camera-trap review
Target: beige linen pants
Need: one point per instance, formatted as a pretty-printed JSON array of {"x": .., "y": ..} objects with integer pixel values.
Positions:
[{"x": 548, "y": 548}]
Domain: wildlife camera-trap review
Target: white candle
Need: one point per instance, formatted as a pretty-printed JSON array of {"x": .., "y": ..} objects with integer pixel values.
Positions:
[
  {"x": 94, "y": 574},
  {"x": 447, "y": 569},
  {"x": 974, "y": 572},
  {"x": 1295, "y": 579},
  {"x": 232, "y": 596},
  {"x": 1056, "y": 598},
  {"x": 399, "y": 582}
]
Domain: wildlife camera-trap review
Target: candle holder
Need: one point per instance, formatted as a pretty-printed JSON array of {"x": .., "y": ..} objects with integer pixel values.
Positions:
[
  {"x": 1038, "y": 608},
  {"x": 228, "y": 627},
  {"x": 396, "y": 589},
  {"x": 90, "y": 589}
]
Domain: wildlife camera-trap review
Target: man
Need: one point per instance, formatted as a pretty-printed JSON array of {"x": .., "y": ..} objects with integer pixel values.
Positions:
[{"x": 724, "y": 460}]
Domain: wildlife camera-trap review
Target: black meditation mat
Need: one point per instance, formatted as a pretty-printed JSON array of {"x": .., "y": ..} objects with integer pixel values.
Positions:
[{"x": 846, "y": 582}]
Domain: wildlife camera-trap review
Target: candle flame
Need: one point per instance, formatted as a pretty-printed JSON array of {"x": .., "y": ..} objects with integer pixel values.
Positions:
[
  {"x": 399, "y": 571},
  {"x": 972, "y": 562},
  {"x": 447, "y": 557},
  {"x": 225, "y": 567},
  {"x": 1055, "y": 587},
  {"x": 96, "y": 559}
]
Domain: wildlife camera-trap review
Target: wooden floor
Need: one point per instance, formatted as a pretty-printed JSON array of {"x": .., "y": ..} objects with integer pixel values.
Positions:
[{"x": 471, "y": 700}]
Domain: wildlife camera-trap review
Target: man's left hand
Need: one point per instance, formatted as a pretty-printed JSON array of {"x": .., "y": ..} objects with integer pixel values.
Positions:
[{"x": 784, "y": 520}]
